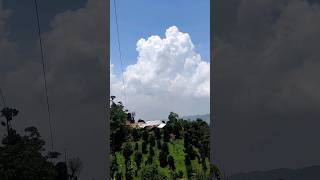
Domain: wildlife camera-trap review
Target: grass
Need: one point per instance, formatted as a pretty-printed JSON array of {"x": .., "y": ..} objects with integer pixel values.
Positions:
[{"x": 176, "y": 149}]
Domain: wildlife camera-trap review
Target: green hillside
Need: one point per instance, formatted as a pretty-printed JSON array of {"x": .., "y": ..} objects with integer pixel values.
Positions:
[
  {"x": 180, "y": 150},
  {"x": 176, "y": 149}
]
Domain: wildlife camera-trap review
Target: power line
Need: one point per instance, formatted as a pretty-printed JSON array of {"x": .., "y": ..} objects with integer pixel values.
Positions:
[
  {"x": 44, "y": 73},
  {"x": 119, "y": 48},
  {"x": 2, "y": 98}
]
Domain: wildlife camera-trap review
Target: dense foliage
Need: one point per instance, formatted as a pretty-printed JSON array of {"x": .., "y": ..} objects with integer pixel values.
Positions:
[
  {"x": 180, "y": 150},
  {"x": 24, "y": 157}
]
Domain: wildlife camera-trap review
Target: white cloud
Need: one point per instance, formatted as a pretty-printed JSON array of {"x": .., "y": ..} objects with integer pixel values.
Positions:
[{"x": 168, "y": 75}]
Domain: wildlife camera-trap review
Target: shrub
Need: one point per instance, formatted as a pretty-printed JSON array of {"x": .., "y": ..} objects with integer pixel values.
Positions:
[
  {"x": 159, "y": 144},
  {"x": 136, "y": 135},
  {"x": 171, "y": 163},
  {"x": 152, "y": 141},
  {"x": 136, "y": 146},
  {"x": 145, "y": 135},
  {"x": 138, "y": 159},
  {"x": 144, "y": 147},
  {"x": 165, "y": 148},
  {"x": 163, "y": 159},
  {"x": 157, "y": 133},
  {"x": 127, "y": 151},
  {"x": 151, "y": 151}
]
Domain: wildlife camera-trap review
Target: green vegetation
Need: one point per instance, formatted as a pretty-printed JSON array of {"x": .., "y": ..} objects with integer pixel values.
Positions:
[
  {"x": 180, "y": 150},
  {"x": 24, "y": 157}
]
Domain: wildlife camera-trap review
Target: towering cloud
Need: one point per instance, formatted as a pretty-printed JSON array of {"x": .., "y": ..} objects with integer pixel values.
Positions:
[{"x": 168, "y": 74}]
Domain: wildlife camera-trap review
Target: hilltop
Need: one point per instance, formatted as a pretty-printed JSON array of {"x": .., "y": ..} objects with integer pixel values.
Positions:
[{"x": 204, "y": 117}]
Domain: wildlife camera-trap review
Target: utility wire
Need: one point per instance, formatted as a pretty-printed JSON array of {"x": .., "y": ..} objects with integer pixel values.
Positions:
[
  {"x": 44, "y": 72},
  {"x": 2, "y": 98},
  {"x": 119, "y": 48}
]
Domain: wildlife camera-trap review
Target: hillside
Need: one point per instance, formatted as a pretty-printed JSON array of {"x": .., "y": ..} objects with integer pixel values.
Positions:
[
  {"x": 205, "y": 117},
  {"x": 176, "y": 149},
  {"x": 179, "y": 150},
  {"x": 307, "y": 173}
]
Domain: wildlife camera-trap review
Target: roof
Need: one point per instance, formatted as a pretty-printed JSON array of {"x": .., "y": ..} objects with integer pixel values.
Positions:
[
  {"x": 162, "y": 125},
  {"x": 155, "y": 123}
]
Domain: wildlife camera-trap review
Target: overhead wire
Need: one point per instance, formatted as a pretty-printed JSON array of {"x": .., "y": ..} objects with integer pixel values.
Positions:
[
  {"x": 119, "y": 49},
  {"x": 44, "y": 72}
]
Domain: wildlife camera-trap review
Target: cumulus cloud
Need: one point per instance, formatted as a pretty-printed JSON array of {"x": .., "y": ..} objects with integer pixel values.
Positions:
[
  {"x": 168, "y": 71},
  {"x": 76, "y": 61},
  {"x": 266, "y": 84}
]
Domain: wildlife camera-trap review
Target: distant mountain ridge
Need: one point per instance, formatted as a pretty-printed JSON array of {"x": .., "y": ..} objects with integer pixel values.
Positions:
[
  {"x": 205, "y": 117},
  {"x": 307, "y": 173}
]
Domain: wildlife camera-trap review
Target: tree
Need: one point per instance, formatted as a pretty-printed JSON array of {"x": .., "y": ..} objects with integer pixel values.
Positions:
[
  {"x": 187, "y": 160},
  {"x": 21, "y": 156},
  {"x": 180, "y": 173},
  {"x": 189, "y": 170},
  {"x": 75, "y": 167},
  {"x": 119, "y": 132},
  {"x": 138, "y": 159},
  {"x": 174, "y": 175},
  {"x": 152, "y": 140},
  {"x": 127, "y": 151},
  {"x": 145, "y": 135},
  {"x": 114, "y": 167},
  {"x": 166, "y": 134},
  {"x": 171, "y": 163},
  {"x": 118, "y": 138},
  {"x": 136, "y": 146},
  {"x": 8, "y": 113},
  {"x": 152, "y": 173},
  {"x": 131, "y": 169},
  {"x": 165, "y": 148},
  {"x": 215, "y": 172},
  {"x": 144, "y": 147},
  {"x": 173, "y": 117},
  {"x": 136, "y": 135},
  {"x": 118, "y": 116},
  {"x": 163, "y": 159},
  {"x": 151, "y": 151},
  {"x": 62, "y": 171},
  {"x": 157, "y": 133},
  {"x": 159, "y": 144},
  {"x": 150, "y": 159}
]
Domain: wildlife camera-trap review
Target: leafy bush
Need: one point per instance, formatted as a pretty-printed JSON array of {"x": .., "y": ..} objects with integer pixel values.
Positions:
[
  {"x": 163, "y": 159},
  {"x": 171, "y": 163},
  {"x": 127, "y": 151},
  {"x": 159, "y": 144},
  {"x": 144, "y": 147}
]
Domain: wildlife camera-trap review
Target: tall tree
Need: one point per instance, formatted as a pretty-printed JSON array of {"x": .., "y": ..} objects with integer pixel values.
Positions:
[
  {"x": 138, "y": 159},
  {"x": 21, "y": 157},
  {"x": 75, "y": 167},
  {"x": 171, "y": 163}
]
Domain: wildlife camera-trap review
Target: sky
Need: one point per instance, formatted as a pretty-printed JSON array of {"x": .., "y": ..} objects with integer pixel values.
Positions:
[
  {"x": 74, "y": 41},
  {"x": 149, "y": 90},
  {"x": 266, "y": 84}
]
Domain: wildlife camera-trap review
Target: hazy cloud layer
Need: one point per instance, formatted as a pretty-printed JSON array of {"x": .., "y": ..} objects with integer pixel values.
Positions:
[
  {"x": 76, "y": 72},
  {"x": 169, "y": 75},
  {"x": 267, "y": 104}
]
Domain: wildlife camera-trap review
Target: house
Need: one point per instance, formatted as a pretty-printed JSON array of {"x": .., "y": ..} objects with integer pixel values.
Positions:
[{"x": 151, "y": 124}]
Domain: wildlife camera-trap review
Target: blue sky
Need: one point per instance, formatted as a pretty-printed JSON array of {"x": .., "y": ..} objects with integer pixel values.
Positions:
[{"x": 140, "y": 19}]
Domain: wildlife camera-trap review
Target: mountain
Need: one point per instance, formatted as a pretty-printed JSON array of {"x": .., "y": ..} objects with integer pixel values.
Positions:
[
  {"x": 307, "y": 173},
  {"x": 205, "y": 117}
]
